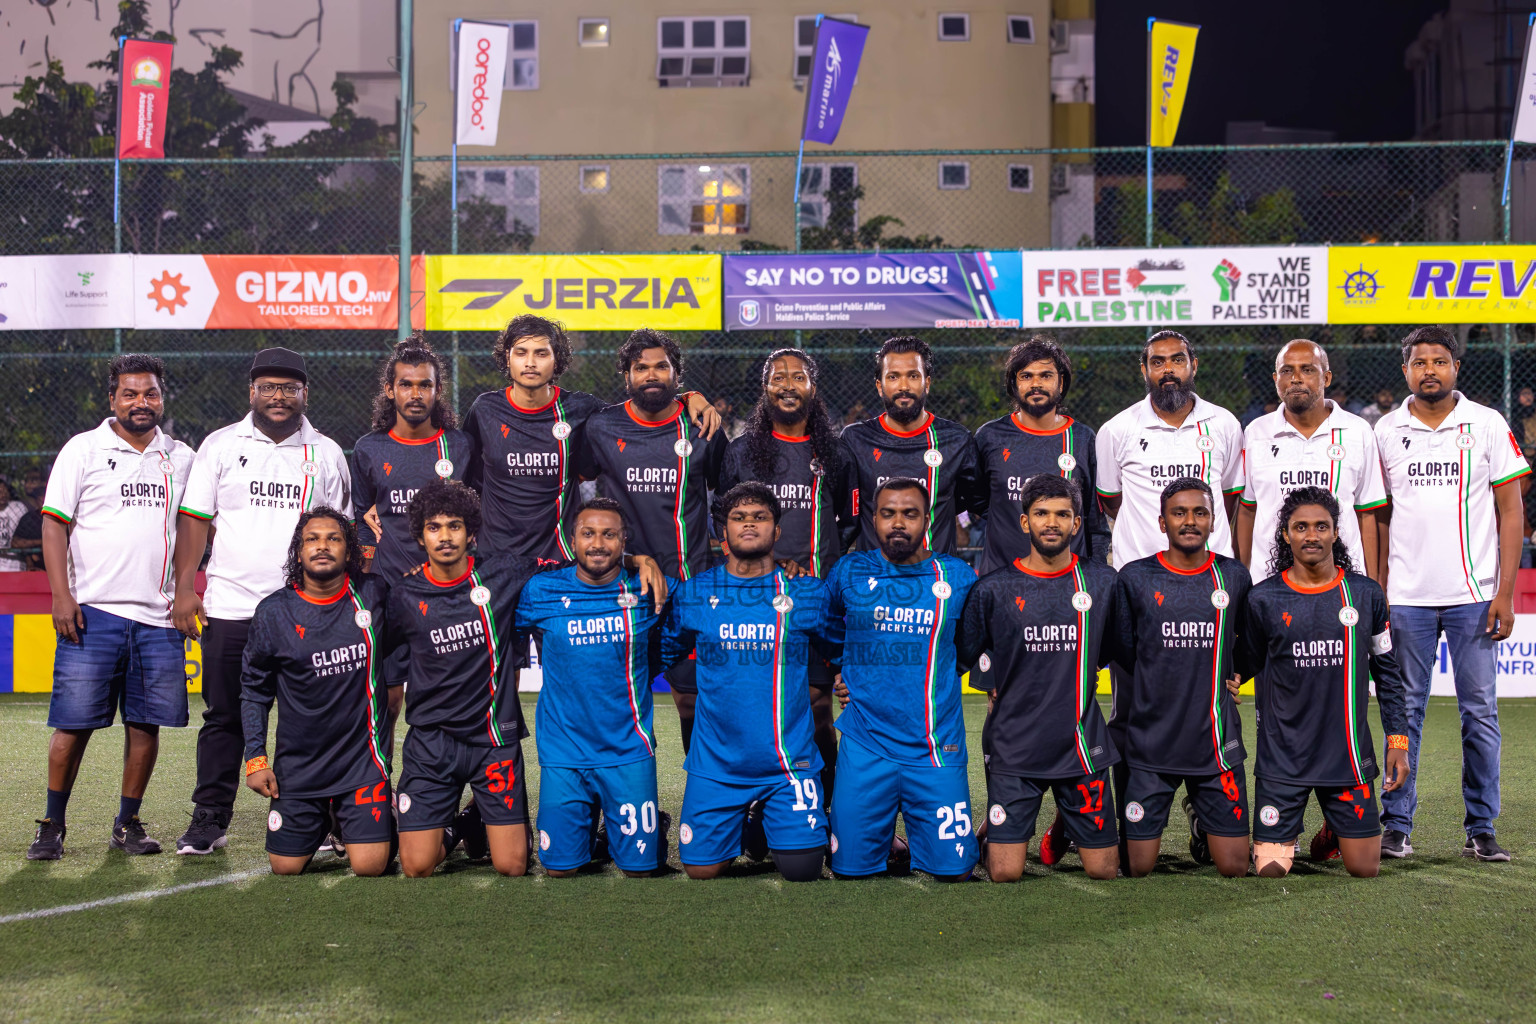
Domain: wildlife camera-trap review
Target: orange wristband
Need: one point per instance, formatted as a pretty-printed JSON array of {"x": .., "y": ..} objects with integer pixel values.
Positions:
[
  {"x": 1397, "y": 742},
  {"x": 257, "y": 764}
]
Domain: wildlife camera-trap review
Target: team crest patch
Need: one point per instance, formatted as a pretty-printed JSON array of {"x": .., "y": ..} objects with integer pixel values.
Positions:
[
  {"x": 1465, "y": 442},
  {"x": 443, "y": 468},
  {"x": 1348, "y": 616},
  {"x": 834, "y": 842},
  {"x": 363, "y": 618},
  {"x": 782, "y": 603},
  {"x": 685, "y": 834},
  {"x": 997, "y": 815},
  {"x": 166, "y": 467},
  {"x": 1336, "y": 452},
  {"x": 309, "y": 468},
  {"x": 1066, "y": 461},
  {"x": 561, "y": 430},
  {"x": 543, "y": 840},
  {"x": 480, "y": 596},
  {"x": 1082, "y": 600},
  {"x": 984, "y": 663},
  {"x": 274, "y": 821},
  {"x": 933, "y": 457},
  {"x": 1134, "y": 811},
  {"x": 683, "y": 447},
  {"x": 1269, "y": 815},
  {"x": 628, "y": 600},
  {"x": 1205, "y": 443},
  {"x": 1219, "y": 598},
  {"x": 942, "y": 590},
  {"x": 403, "y": 802}
]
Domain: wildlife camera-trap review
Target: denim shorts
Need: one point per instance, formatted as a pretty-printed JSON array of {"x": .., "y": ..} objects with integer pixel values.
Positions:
[{"x": 119, "y": 665}]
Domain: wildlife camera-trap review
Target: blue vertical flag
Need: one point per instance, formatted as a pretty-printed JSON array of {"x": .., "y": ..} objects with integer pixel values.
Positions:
[{"x": 839, "y": 45}]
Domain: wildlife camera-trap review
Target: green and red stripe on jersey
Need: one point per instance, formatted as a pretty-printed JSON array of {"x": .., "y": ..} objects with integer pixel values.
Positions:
[
  {"x": 1464, "y": 515},
  {"x": 376, "y": 726},
  {"x": 492, "y": 647},
  {"x": 1218, "y": 731},
  {"x": 679, "y": 523},
  {"x": 780, "y": 617},
  {"x": 1087, "y": 675},
  {"x": 1351, "y": 678},
  {"x": 931, "y": 669},
  {"x": 563, "y": 459},
  {"x": 632, "y": 681}
]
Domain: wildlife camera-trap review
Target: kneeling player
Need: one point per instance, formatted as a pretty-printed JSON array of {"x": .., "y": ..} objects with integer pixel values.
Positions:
[
  {"x": 752, "y": 736},
  {"x": 1311, "y": 635},
  {"x": 1175, "y": 613},
  {"x": 1045, "y": 618},
  {"x": 314, "y": 649},
  {"x": 597, "y": 751},
  {"x": 903, "y": 745}
]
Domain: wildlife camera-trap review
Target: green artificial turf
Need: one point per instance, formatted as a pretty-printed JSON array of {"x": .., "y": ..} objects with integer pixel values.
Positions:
[{"x": 1435, "y": 938}]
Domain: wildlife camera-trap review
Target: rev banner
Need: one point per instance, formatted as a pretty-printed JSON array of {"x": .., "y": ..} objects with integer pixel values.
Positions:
[
  {"x": 1411, "y": 284},
  {"x": 144, "y": 88}
]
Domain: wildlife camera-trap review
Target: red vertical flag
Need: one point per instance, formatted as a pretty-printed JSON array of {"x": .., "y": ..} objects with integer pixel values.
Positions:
[{"x": 144, "y": 90}]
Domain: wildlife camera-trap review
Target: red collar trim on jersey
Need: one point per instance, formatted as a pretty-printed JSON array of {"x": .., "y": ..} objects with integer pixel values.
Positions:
[
  {"x": 420, "y": 440},
  {"x": 1302, "y": 589},
  {"x": 884, "y": 423},
  {"x": 1018, "y": 563},
  {"x": 1040, "y": 433},
  {"x": 791, "y": 440},
  {"x": 629, "y": 407},
  {"x": 541, "y": 408},
  {"x": 427, "y": 572},
  {"x": 1210, "y": 556},
  {"x": 317, "y": 600}
]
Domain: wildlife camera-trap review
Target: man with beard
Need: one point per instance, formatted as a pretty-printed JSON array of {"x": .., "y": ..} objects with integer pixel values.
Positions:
[
  {"x": 599, "y": 646},
  {"x": 250, "y": 482},
  {"x": 109, "y": 523},
  {"x": 751, "y": 625},
  {"x": 1036, "y": 438},
  {"x": 315, "y": 651},
  {"x": 646, "y": 455},
  {"x": 1450, "y": 463},
  {"x": 1175, "y": 614},
  {"x": 1048, "y": 620},
  {"x": 903, "y": 746},
  {"x": 790, "y": 445},
  {"x": 1308, "y": 442},
  {"x": 527, "y": 437},
  {"x": 909, "y": 441}
]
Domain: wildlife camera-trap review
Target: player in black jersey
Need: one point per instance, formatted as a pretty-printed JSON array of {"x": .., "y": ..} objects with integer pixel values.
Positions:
[
  {"x": 790, "y": 445},
  {"x": 527, "y": 436},
  {"x": 315, "y": 650},
  {"x": 1048, "y": 621},
  {"x": 1312, "y": 634},
  {"x": 909, "y": 441},
  {"x": 659, "y": 467},
  {"x": 1175, "y": 618}
]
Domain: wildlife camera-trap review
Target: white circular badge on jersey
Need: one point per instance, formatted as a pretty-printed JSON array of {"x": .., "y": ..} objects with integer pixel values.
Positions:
[
  {"x": 167, "y": 467},
  {"x": 543, "y": 840},
  {"x": 480, "y": 596},
  {"x": 783, "y": 602},
  {"x": 1220, "y": 598},
  {"x": 443, "y": 468},
  {"x": 1336, "y": 452},
  {"x": 1348, "y": 615},
  {"x": 1465, "y": 442},
  {"x": 683, "y": 447},
  {"x": 685, "y": 834},
  {"x": 561, "y": 430},
  {"x": 627, "y": 600},
  {"x": 310, "y": 468},
  {"x": 1082, "y": 600},
  {"x": 274, "y": 821},
  {"x": 1205, "y": 444},
  {"x": 984, "y": 663},
  {"x": 997, "y": 815},
  {"x": 942, "y": 590},
  {"x": 363, "y": 618},
  {"x": 816, "y": 469},
  {"x": 403, "y": 803},
  {"x": 1134, "y": 811},
  {"x": 933, "y": 457},
  {"x": 833, "y": 843},
  {"x": 1269, "y": 815},
  {"x": 1067, "y": 462}
]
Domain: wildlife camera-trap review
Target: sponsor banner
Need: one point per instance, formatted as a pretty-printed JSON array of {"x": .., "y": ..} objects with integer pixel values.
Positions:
[
  {"x": 1168, "y": 287},
  {"x": 778, "y": 292},
  {"x": 144, "y": 90},
  {"x": 81, "y": 291},
  {"x": 482, "y": 63},
  {"x": 272, "y": 292},
  {"x": 18, "y": 294},
  {"x": 1410, "y": 284},
  {"x": 586, "y": 293},
  {"x": 1171, "y": 55},
  {"x": 834, "y": 66}
]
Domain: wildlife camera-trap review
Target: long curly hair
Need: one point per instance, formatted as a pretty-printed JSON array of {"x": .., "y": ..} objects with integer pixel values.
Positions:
[
  {"x": 293, "y": 571},
  {"x": 759, "y": 432},
  {"x": 1038, "y": 348},
  {"x": 1284, "y": 557},
  {"x": 413, "y": 351}
]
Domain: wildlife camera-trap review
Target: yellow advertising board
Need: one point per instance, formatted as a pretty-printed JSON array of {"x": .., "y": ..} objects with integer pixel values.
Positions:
[
  {"x": 1411, "y": 284},
  {"x": 586, "y": 293}
]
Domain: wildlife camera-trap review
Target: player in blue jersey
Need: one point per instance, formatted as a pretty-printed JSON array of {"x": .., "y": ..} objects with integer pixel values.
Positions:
[
  {"x": 752, "y": 740},
  {"x": 599, "y": 645},
  {"x": 903, "y": 746}
]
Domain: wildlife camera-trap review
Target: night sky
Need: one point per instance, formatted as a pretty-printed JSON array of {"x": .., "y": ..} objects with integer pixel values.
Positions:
[{"x": 1293, "y": 63}]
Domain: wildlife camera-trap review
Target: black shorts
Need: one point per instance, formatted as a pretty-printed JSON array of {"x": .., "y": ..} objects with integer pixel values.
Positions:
[
  {"x": 683, "y": 677},
  {"x": 296, "y": 826},
  {"x": 436, "y": 767},
  {"x": 1221, "y": 802},
  {"x": 1349, "y": 811},
  {"x": 819, "y": 672},
  {"x": 1085, "y": 801}
]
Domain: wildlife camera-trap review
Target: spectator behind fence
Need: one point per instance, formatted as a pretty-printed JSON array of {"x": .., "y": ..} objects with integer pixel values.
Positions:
[
  {"x": 1523, "y": 420},
  {"x": 11, "y": 511},
  {"x": 29, "y": 534},
  {"x": 1385, "y": 403},
  {"x": 33, "y": 483}
]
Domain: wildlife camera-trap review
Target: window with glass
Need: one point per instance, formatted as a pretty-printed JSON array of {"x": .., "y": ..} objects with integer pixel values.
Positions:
[
  {"x": 692, "y": 52},
  {"x": 703, "y": 199}
]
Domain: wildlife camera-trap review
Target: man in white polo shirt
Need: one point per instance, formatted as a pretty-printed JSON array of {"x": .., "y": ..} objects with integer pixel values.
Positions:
[
  {"x": 1308, "y": 442},
  {"x": 1451, "y": 468},
  {"x": 109, "y": 524},
  {"x": 250, "y": 482}
]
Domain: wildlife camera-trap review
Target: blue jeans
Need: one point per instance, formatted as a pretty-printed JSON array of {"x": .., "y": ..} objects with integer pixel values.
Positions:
[
  {"x": 119, "y": 666},
  {"x": 1416, "y": 639}
]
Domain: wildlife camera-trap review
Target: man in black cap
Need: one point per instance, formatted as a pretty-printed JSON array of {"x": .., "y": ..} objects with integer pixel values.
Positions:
[{"x": 251, "y": 481}]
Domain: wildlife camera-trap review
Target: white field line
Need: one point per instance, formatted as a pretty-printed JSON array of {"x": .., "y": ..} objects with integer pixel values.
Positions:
[{"x": 148, "y": 894}]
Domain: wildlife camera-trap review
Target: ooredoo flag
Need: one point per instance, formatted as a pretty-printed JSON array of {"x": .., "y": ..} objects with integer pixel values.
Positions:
[
  {"x": 144, "y": 89},
  {"x": 482, "y": 64},
  {"x": 839, "y": 46},
  {"x": 1171, "y": 54}
]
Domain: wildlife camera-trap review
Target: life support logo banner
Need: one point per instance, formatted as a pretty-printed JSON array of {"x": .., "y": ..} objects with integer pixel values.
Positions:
[
  {"x": 78, "y": 291},
  {"x": 276, "y": 292},
  {"x": 1372, "y": 284},
  {"x": 586, "y": 293}
]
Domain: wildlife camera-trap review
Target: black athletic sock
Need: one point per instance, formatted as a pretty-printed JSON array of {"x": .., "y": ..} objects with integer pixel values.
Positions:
[
  {"x": 58, "y": 800},
  {"x": 127, "y": 807}
]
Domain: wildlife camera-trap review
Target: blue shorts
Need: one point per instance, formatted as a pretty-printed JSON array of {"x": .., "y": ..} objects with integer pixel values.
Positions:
[
  {"x": 119, "y": 665},
  {"x": 934, "y": 802},
  {"x": 569, "y": 799},
  {"x": 714, "y": 813}
]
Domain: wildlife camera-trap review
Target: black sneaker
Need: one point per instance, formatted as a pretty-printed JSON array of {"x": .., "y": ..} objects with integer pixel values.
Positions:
[
  {"x": 204, "y": 835},
  {"x": 1199, "y": 845},
  {"x": 1482, "y": 846},
  {"x": 754, "y": 841},
  {"x": 1395, "y": 844},
  {"x": 663, "y": 829},
  {"x": 48, "y": 844},
  {"x": 470, "y": 829},
  {"x": 130, "y": 837}
]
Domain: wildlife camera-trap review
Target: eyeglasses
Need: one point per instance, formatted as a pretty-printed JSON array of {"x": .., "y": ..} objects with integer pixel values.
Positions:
[{"x": 288, "y": 390}]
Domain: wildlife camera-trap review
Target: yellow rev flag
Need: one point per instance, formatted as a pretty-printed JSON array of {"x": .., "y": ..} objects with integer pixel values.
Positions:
[{"x": 1171, "y": 53}]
